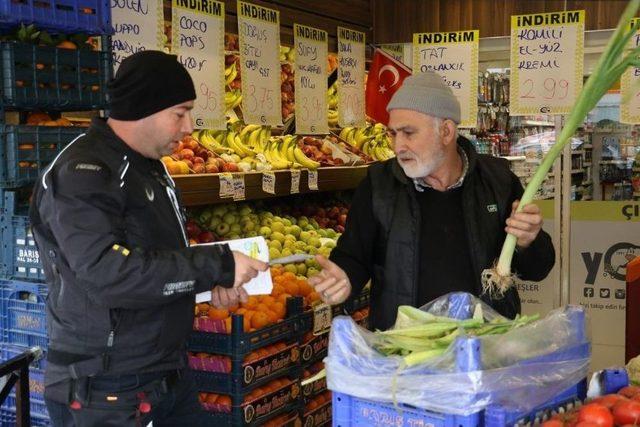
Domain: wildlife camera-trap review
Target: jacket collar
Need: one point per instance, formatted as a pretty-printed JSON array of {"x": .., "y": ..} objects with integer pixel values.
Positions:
[
  {"x": 103, "y": 133},
  {"x": 462, "y": 142}
]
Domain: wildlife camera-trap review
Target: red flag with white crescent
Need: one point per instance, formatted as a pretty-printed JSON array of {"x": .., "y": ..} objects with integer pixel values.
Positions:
[{"x": 385, "y": 77}]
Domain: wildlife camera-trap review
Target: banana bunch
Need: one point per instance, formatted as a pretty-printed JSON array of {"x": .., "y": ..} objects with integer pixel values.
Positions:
[
  {"x": 332, "y": 96},
  {"x": 232, "y": 99},
  {"x": 287, "y": 54},
  {"x": 333, "y": 118},
  {"x": 230, "y": 73},
  {"x": 212, "y": 140},
  {"x": 283, "y": 153},
  {"x": 255, "y": 136},
  {"x": 371, "y": 140}
]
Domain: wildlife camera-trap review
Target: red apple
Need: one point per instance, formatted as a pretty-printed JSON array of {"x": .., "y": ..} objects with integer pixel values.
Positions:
[
  {"x": 212, "y": 168},
  {"x": 199, "y": 168},
  {"x": 206, "y": 237}
]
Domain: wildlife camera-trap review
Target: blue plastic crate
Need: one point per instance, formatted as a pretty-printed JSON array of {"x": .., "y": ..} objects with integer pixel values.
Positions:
[
  {"x": 56, "y": 79},
  {"x": 8, "y": 419},
  {"x": 27, "y": 150},
  {"x": 238, "y": 343},
  {"x": 38, "y": 407},
  {"x": 353, "y": 411},
  {"x": 86, "y": 16},
  {"x": 19, "y": 257},
  {"x": 359, "y": 302},
  {"x": 23, "y": 309}
]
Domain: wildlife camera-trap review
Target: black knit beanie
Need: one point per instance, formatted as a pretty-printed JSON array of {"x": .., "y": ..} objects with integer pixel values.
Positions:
[{"x": 147, "y": 82}]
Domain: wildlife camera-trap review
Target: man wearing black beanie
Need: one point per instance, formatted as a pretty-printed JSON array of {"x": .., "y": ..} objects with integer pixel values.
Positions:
[{"x": 121, "y": 276}]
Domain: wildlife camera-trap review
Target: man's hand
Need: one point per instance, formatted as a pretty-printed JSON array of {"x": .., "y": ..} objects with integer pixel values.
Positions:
[
  {"x": 332, "y": 283},
  {"x": 525, "y": 225},
  {"x": 222, "y": 297},
  {"x": 246, "y": 268}
]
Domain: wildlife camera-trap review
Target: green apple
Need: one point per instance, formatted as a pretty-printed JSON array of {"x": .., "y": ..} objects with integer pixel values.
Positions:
[
  {"x": 219, "y": 210},
  {"x": 223, "y": 229},
  {"x": 264, "y": 231},
  {"x": 295, "y": 230},
  {"x": 287, "y": 222},
  {"x": 277, "y": 226},
  {"x": 303, "y": 221},
  {"x": 205, "y": 216},
  {"x": 245, "y": 210},
  {"x": 234, "y": 237},
  {"x": 329, "y": 244},
  {"x": 315, "y": 242},
  {"x": 276, "y": 235},
  {"x": 252, "y": 233},
  {"x": 214, "y": 221},
  {"x": 312, "y": 272},
  {"x": 248, "y": 226},
  {"x": 275, "y": 244},
  {"x": 300, "y": 245},
  {"x": 286, "y": 252},
  {"x": 331, "y": 233},
  {"x": 230, "y": 218},
  {"x": 322, "y": 233},
  {"x": 274, "y": 253},
  {"x": 302, "y": 269},
  {"x": 305, "y": 236},
  {"x": 236, "y": 229},
  {"x": 292, "y": 268},
  {"x": 266, "y": 222}
]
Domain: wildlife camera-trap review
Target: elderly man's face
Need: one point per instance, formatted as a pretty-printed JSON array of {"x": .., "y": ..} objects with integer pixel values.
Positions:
[{"x": 417, "y": 142}]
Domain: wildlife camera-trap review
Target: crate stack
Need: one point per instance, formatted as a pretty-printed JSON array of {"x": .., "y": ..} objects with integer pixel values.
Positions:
[{"x": 48, "y": 69}]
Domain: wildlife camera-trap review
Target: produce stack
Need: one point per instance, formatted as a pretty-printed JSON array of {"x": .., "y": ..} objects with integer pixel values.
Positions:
[
  {"x": 260, "y": 351},
  {"x": 51, "y": 67}
]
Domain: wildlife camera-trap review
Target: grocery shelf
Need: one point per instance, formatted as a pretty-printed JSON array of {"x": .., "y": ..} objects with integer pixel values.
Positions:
[
  {"x": 204, "y": 189},
  {"x": 514, "y": 158},
  {"x": 536, "y": 123}
]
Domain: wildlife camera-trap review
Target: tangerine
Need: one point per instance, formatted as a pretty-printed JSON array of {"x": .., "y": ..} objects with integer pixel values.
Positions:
[{"x": 260, "y": 320}]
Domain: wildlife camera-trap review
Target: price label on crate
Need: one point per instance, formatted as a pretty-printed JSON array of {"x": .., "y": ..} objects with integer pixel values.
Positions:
[
  {"x": 259, "y": 30},
  {"x": 351, "y": 57},
  {"x": 269, "y": 182},
  {"x": 454, "y": 56},
  {"x": 295, "y": 181},
  {"x": 137, "y": 26},
  {"x": 198, "y": 41},
  {"x": 313, "y": 180},
  {"x": 546, "y": 62},
  {"x": 238, "y": 187},
  {"x": 311, "y": 80},
  {"x": 322, "y": 317},
  {"x": 630, "y": 107},
  {"x": 226, "y": 185}
]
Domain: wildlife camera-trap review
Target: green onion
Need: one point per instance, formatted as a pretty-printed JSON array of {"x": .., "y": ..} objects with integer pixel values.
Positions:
[{"x": 610, "y": 66}]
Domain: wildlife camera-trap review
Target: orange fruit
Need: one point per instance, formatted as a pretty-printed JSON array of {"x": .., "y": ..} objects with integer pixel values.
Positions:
[
  {"x": 251, "y": 303},
  {"x": 273, "y": 317},
  {"x": 246, "y": 324},
  {"x": 227, "y": 325},
  {"x": 260, "y": 320},
  {"x": 224, "y": 400},
  {"x": 292, "y": 287},
  {"x": 218, "y": 313},
  {"x": 304, "y": 288},
  {"x": 262, "y": 307},
  {"x": 233, "y": 309},
  {"x": 202, "y": 308},
  {"x": 289, "y": 276},
  {"x": 283, "y": 298},
  {"x": 313, "y": 297},
  {"x": 279, "y": 309},
  {"x": 268, "y": 300},
  {"x": 277, "y": 290},
  {"x": 279, "y": 280},
  {"x": 212, "y": 398}
]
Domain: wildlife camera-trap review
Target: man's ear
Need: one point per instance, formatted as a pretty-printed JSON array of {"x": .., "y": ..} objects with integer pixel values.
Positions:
[{"x": 448, "y": 132}]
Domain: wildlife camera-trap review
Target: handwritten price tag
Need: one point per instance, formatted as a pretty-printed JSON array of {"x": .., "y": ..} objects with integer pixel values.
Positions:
[
  {"x": 269, "y": 182},
  {"x": 311, "y": 80},
  {"x": 313, "y": 180},
  {"x": 198, "y": 40},
  {"x": 630, "y": 110},
  {"x": 455, "y": 57},
  {"x": 226, "y": 185},
  {"x": 295, "y": 181},
  {"x": 137, "y": 27},
  {"x": 546, "y": 62},
  {"x": 322, "y": 316},
  {"x": 238, "y": 187},
  {"x": 351, "y": 57},
  {"x": 259, "y": 30}
]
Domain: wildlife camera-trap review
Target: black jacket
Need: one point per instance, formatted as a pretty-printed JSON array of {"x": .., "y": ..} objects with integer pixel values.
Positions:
[
  {"x": 111, "y": 238},
  {"x": 381, "y": 238}
]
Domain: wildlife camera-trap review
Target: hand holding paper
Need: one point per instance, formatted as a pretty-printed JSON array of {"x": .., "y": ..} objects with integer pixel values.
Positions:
[{"x": 246, "y": 268}]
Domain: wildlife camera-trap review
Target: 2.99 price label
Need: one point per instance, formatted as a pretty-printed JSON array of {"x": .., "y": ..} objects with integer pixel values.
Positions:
[
  {"x": 259, "y": 31},
  {"x": 546, "y": 62}
]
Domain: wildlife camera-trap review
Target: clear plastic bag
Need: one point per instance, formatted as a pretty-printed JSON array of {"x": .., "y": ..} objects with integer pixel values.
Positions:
[{"x": 518, "y": 370}]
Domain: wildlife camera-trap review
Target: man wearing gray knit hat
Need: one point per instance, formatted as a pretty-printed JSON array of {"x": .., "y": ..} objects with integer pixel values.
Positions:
[{"x": 429, "y": 221}]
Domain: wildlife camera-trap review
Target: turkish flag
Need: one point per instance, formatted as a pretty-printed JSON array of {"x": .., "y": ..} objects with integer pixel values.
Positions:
[{"x": 385, "y": 77}]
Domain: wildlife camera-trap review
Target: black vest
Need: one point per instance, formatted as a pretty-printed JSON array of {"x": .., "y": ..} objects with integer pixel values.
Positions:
[{"x": 487, "y": 197}]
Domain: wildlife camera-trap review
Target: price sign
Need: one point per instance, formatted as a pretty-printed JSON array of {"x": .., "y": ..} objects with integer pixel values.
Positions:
[
  {"x": 295, "y": 181},
  {"x": 238, "y": 187},
  {"x": 546, "y": 62},
  {"x": 269, "y": 182},
  {"x": 454, "y": 56},
  {"x": 198, "y": 40},
  {"x": 138, "y": 25},
  {"x": 311, "y": 80},
  {"x": 226, "y": 185},
  {"x": 322, "y": 315},
  {"x": 630, "y": 107},
  {"x": 351, "y": 47},
  {"x": 313, "y": 180},
  {"x": 259, "y": 30}
]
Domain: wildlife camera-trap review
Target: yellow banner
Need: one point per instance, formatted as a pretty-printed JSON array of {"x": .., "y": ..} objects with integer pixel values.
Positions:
[
  {"x": 198, "y": 41},
  {"x": 630, "y": 110},
  {"x": 547, "y": 52},
  {"x": 259, "y": 30},
  {"x": 137, "y": 26},
  {"x": 351, "y": 57},
  {"x": 454, "y": 56},
  {"x": 311, "y": 80},
  {"x": 623, "y": 211}
]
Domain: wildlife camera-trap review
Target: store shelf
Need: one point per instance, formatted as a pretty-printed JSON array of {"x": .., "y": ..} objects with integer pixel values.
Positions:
[
  {"x": 577, "y": 171},
  {"x": 535, "y": 123},
  {"x": 203, "y": 189},
  {"x": 514, "y": 158}
]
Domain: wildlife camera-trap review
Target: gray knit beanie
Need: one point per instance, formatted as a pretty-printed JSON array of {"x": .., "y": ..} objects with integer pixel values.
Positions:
[{"x": 426, "y": 93}]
